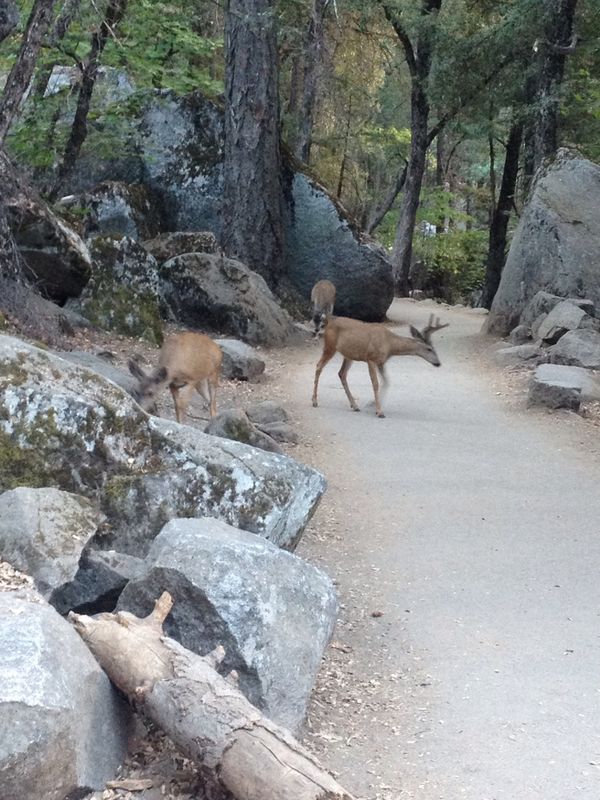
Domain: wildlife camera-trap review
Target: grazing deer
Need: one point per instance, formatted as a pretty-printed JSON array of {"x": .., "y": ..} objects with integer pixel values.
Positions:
[
  {"x": 373, "y": 343},
  {"x": 187, "y": 361},
  {"x": 323, "y": 299}
]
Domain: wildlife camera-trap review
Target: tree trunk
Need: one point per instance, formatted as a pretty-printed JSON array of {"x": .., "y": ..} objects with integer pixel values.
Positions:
[
  {"x": 253, "y": 206},
  {"x": 419, "y": 65},
  {"x": 114, "y": 14},
  {"x": 558, "y": 30},
  {"x": 203, "y": 713},
  {"x": 402, "y": 252},
  {"x": 313, "y": 59},
  {"x": 22, "y": 70},
  {"x": 501, "y": 216},
  {"x": 383, "y": 208}
]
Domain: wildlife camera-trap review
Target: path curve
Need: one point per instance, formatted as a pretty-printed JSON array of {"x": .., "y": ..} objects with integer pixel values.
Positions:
[{"x": 464, "y": 537}]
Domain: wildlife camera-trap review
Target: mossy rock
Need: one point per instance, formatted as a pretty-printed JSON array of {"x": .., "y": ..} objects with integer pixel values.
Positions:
[{"x": 122, "y": 294}]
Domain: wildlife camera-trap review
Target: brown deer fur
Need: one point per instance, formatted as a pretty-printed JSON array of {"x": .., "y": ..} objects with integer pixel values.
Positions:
[
  {"x": 373, "y": 343},
  {"x": 323, "y": 300},
  {"x": 187, "y": 361}
]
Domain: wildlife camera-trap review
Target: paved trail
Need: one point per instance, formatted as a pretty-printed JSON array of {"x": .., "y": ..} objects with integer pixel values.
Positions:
[{"x": 475, "y": 529}]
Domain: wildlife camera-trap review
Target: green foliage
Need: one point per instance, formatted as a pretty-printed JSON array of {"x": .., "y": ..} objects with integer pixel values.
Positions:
[{"x": 453, "y": 263}]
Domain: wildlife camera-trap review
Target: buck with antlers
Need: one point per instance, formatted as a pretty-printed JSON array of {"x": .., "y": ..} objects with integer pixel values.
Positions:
[{"x": 373, "y": 343}]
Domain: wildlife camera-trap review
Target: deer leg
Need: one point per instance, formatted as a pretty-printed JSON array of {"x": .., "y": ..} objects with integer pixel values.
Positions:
[
  {"x": 375, "y": 382},
  {"x": 346, "y": 364},
  {"x": 212, "y": 390},
  {"x": 181, "y": 398},
  {"x": 327, "y": 356}
]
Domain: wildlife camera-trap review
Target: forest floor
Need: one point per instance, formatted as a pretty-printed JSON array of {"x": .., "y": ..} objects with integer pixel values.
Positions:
[{"x": 462, "y": 534}]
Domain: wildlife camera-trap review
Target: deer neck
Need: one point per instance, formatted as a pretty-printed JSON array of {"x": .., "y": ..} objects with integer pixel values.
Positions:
[{"x": 404, "y": 346}]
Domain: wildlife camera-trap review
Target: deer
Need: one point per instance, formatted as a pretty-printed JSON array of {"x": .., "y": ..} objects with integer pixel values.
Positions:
[
  {"x": 187, "y": 361},
  {"x": 322, "y": 297},
  {"x": 374, "y": 343}
]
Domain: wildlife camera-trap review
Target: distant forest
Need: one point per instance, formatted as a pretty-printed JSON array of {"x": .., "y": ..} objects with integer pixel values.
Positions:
[{"x": 426, "y": 120}]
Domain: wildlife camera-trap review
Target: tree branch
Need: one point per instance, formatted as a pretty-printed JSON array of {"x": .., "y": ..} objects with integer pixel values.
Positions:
[{"x": 409, "y": 51}]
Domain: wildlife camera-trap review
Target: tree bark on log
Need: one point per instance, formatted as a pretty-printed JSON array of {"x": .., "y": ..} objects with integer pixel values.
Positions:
[
  {"x": 22, "y": 70},
  {"x": 205, "y": 714}
]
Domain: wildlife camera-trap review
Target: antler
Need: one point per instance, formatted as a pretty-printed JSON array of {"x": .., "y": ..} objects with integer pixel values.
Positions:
[{"x": 432, "y": 326}]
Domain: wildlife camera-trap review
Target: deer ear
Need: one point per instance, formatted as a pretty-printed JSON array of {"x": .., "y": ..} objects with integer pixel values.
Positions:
[{"x": 416, "y": 334}]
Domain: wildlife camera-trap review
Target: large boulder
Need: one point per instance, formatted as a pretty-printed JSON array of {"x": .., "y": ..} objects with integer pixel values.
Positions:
[
  {"x": 556, "y": 246},
  {"x": 168, "y": 245},
  {"x": 565, "y": 316},
  {"x": 44, "y": 531},
  {"x": 102, "y": 365},
  {"x": 554, "y": 390},
  {"x": 123, "y": 293},
  {"x": 580, "y": 348},
  {"x": 203, "y": 291},
  {"x": 180, "y": 154},
  {"x": 58, "y": 260},
  {"x": 117, "y": 209},
  {"x": 323, "y": 242},
  {"x": 100, "y": 579},
  {"x": 273, "y": 612},
  {"x": 63, "y": 729},
  {"x": 67, "y": 427}
]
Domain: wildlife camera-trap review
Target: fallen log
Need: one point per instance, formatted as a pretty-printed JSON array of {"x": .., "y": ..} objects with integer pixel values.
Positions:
[{"x": 238, "y": 749}]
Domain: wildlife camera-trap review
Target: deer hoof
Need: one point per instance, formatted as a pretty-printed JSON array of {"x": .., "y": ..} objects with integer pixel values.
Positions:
[
  {"x": 381, "y": 415},
  {"x": 315, "y": 404},
  {"x": 356, "y": 408}
]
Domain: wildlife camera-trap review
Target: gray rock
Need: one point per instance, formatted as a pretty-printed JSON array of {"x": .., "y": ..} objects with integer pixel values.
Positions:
[
  {"x": 179, "y": 150},
  {"x": 112, "y": 85},
  {"x": 580, "y": 348},
  {"x": 556, "y": 246},
  {"x": 64, "y": 426},
  {"x": 123, "y": 293},
  {"x": 169, "y": 245},
  {"x": 553, "y": 392},
  {"x": 565, "y": 316},
  {"x": 538, "y": 307},
  {"x": 234, "y": 424},
  {"x": 117, "y": 209},
  {"x": 240, "y": 361},
  {"x": 280, "y": 431},
  {"x": 521, "y": 352},
  {"x": 58, "y": 260},
  {"x": 208, "y": 291},
  {"x": 100, "y": 365},
  {"x": 520, "y": 335},
  {"x": 43, "y": 533},
  {"x": 273, "y": 612},
  {"x": 578, "y": 377},
  {"x": 323, "y": 243},
  {"x": 63, "y": 729},
  {"x": 265, "y": 412},
  {"x": 100, "y": 579}
]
